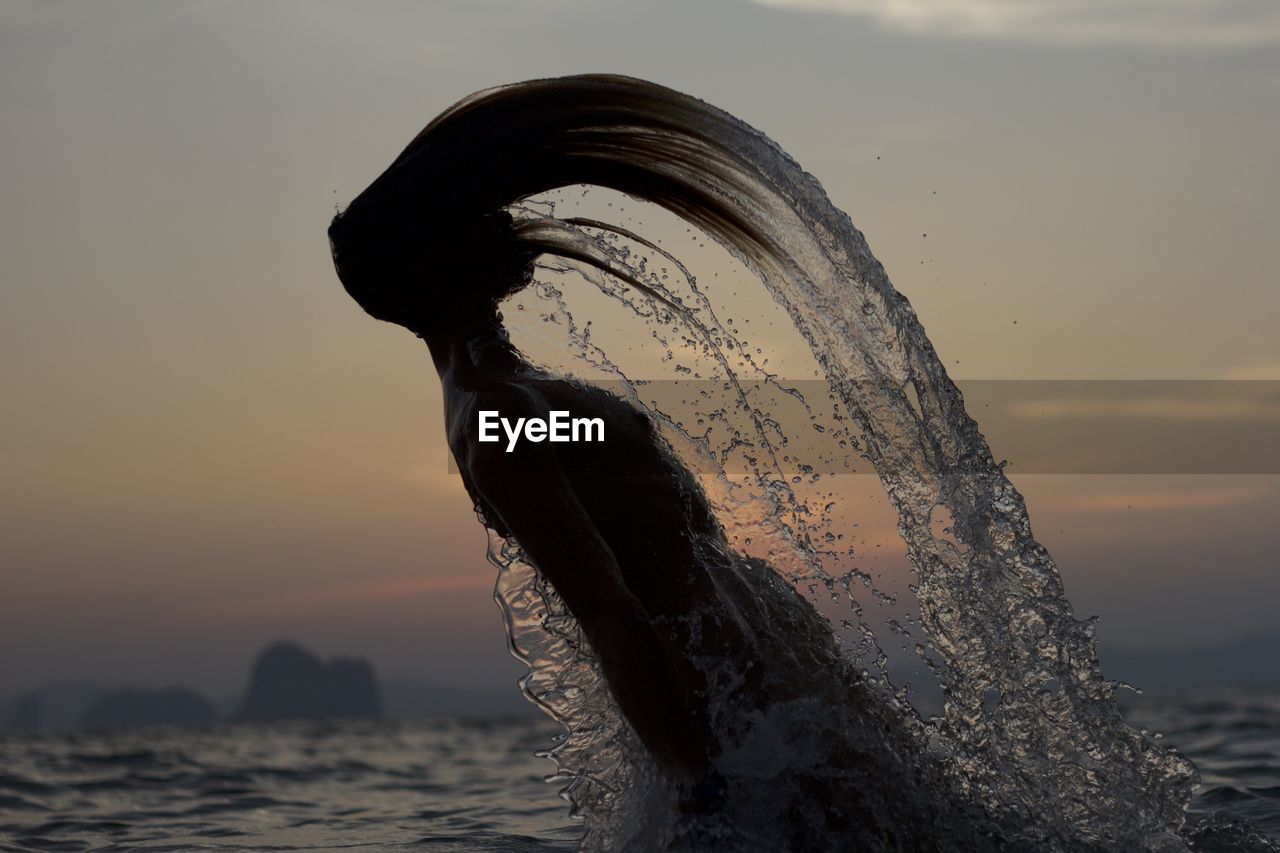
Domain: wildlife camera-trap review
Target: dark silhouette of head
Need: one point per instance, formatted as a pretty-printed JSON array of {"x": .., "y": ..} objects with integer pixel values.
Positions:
[
  {"x": 428, "y": 276},
  {"x": 430, "y": 245}
]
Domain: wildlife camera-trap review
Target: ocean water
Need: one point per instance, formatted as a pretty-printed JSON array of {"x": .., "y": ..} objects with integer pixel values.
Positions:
[
  {"x": 1234, "y": 740},
  {"x": 451, "y": 784},
  {"x": 441, "y": 784}
]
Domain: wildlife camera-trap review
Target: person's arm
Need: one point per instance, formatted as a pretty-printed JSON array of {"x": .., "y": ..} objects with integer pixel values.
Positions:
[{"x": 534, "y": 500}]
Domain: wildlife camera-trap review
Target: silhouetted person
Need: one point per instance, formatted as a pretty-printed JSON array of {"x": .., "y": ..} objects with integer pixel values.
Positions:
[
  {"x": 620, "y": 529},
  {"x": 612, "y": 525},
  {"x": 703, "y": 649}
]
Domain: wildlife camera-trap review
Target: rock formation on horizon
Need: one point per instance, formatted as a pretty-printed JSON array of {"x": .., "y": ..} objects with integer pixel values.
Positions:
[
  {"x": 288, "y": 682},
  {"x": 172, "y": 706},
  {"x": 52, "y": 707}
]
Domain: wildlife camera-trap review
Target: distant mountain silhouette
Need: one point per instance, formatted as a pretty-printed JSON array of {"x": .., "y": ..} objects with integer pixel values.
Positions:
[
  {"x": 57, "y": 706},
  {"x": 172, "y": 706},
  {"x": 1250, "y": 660},
  {"x": 288, "y": 682},
  {"x": 25, "y": 713}
]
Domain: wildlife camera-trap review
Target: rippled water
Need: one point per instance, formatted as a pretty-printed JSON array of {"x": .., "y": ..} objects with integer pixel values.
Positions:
[
  {"x": 1234, "y": 740},
  {"x": 435, "y": 785},
  {"x": 448, "y": 784}
]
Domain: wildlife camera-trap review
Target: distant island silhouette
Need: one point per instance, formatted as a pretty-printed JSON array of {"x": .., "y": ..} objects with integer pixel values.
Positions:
[
  {"x": 290, "y": 683},
  {"x": 1250, "y": 660},
  {"x": 56, "y": 706},
  {"x": 286, "y": 682},
  {"x": 172, "y": 706}
]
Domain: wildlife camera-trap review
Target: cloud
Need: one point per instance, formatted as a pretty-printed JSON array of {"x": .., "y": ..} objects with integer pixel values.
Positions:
[{"x": 1155, "y": 23}]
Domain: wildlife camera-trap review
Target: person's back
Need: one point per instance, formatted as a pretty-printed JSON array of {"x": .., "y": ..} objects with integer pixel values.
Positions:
[{"x": 619, "y": 528}]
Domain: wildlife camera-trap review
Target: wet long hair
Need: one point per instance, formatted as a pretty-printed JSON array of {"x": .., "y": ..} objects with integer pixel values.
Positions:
[{"x": 431, "y": 237}]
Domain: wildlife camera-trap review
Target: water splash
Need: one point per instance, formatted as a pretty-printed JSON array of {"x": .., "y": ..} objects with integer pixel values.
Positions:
[
  {"x": 1029, "y": 735},
  {"x": 1029, "y": 729}
]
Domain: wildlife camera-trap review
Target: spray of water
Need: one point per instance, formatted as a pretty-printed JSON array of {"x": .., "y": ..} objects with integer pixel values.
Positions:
[{"x": 1029, "y": 749}]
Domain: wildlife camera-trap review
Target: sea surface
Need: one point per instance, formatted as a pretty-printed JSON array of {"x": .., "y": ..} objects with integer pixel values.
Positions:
[
  {"x": 1234, "y": 740},
  {"x": 440, "y": 784}
]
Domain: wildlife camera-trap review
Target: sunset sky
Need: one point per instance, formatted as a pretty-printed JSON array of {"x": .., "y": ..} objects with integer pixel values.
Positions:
[{"x": 206, "y": 446}]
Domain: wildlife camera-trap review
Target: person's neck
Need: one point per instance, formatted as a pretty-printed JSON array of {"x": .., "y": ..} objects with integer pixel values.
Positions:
[{"x": 474, "y": 351}]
